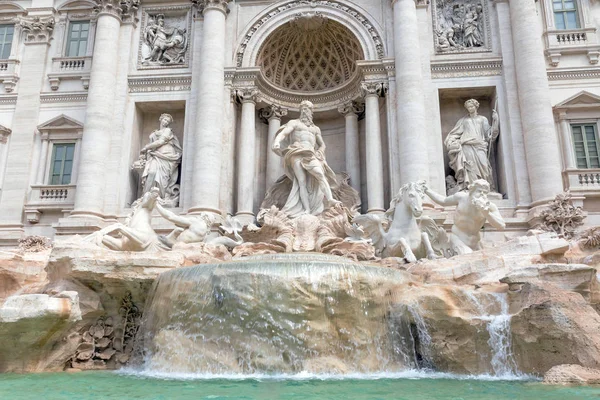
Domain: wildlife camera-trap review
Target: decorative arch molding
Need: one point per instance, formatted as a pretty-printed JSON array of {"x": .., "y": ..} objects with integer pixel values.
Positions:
[
  {"x": 77, "y": 5},
  {"x": 11, "y": 8},
  {"x": 358, "y": 21}
]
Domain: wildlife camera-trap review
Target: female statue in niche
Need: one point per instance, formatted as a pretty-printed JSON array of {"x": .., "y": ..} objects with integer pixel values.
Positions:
[
  {"x": 468, "y": 146},
  {"x": 160, "y": 161}
]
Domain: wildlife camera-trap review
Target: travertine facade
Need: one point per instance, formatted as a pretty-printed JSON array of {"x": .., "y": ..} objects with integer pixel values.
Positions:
[{"x": 83, "y": 82}]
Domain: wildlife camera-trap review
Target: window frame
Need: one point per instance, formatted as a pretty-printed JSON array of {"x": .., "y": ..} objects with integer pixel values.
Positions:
[
  {"x": 582, "y": 124},
  {"x": 12, "y": 42},
  {"x": 564, "y": 13},
  {"x": 52, "y": 152},
  {"x": 68, "y": 37}
]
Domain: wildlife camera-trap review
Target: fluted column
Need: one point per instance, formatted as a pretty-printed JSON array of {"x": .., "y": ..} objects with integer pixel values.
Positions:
[
  {"x": 350, "y": 112},
  {"x": 371, "y": 92},
  {"x": 246, "y": 156},
  {"x": 539, "y": 134},
  {"x": 99, "y": 118},
  {"x": 272, "y": 115},
  {"x": 206, "y": 180},
  {"x": 410, "y": 106},
  {"x": 37, "y": 33}
]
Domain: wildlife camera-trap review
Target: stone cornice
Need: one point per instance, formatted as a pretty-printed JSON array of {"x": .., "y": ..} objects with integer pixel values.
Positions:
[
  {"x": 66, "y": 97},
  {"x": 583, "y": 73},
  {"x": 37, "y": 30},
  {"x": 458, "y": 69},
  {"x": 144, "y": 83}
]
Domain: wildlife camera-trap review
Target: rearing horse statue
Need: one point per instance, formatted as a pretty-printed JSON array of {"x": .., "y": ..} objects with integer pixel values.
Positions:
[{"x": 408, "y": 234}]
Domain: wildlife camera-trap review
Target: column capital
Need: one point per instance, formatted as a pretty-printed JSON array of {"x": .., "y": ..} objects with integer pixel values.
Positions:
[
  {"x": 38, "y": 30},
  {"x": 272, "y": 112},
  {"x": 123, "y": 10},
  {"x": 351, "y": 107},
  {"x": 219, "y": 5},
  {"x": 378, "y": 89},
  {"x": 247, "y": 95},
  {"x": 4, "y": 134},
  {"x": 562, "y": 115}
]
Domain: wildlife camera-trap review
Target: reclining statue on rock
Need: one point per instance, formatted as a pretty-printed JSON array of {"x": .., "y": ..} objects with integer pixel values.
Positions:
[
  {"x": 409, "y": 234},
  {"x": 136, "y": 234},
  {"x": 473, "y": 209},
  {"x": 196, "y": 228}
]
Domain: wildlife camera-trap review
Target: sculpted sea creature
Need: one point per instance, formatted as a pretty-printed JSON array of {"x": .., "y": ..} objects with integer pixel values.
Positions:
[{"x": 408, "y": 235}]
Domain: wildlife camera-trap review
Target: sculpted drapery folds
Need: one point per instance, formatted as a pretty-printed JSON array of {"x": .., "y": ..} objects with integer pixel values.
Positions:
[
  {"x": 301, "y": 145},
  {"x": 468, "y": 146},
  {"x": 160, "y": 161}
]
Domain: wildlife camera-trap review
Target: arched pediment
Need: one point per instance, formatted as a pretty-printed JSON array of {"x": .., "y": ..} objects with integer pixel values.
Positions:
[
  {"x": 11, "y": 8},
  {"x": 75, "y": 5}
]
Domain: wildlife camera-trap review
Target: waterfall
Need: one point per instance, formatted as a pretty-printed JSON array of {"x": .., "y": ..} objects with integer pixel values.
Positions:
[{"x": 498, "y": 326}]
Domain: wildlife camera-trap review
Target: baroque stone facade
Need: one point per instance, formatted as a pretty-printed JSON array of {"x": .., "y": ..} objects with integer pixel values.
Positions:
[{"x": 83, "y": 82}]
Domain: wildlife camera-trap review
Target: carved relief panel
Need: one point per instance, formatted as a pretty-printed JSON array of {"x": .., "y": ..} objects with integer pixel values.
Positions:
[
  {"x": 165, "y": 37},
  {"x": 461, "y": 26}
]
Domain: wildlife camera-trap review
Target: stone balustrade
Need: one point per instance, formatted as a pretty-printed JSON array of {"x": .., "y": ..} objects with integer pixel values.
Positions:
[
  {"x": 49, "y": 198},
  {"x": 64, "y": 68},
  {"x": 8, "y": 74},
  {"x": 579, "y": 180}
]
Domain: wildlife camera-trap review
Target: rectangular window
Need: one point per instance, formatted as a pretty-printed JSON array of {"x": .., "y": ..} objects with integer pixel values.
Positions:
[
  {"x": 77, "y": 39},
  {"x": 585, "y": 140},
  {"x": 62, "y": 163},
  {"x": 565, "y": 14},
  {"x": 6, "y": 39}
]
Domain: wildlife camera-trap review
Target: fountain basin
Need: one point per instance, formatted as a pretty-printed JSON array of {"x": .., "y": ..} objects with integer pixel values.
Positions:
[{"x": 281, "y": 313}]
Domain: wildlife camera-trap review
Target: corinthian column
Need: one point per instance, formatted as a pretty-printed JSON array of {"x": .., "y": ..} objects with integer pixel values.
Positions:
[
  {"x": 372, "y": 91},
  {"x": 541, "y": 144},
  {"x": 410, "y": 106},
  {"x": 246, "y": 156},
  {"x": 350, "y": 112},
  {"x": 37, "y": 32},
  {"x": 99, "y": 117},
  {"x": 206, "y": 181},
  {"x": 272, "y": 115}
]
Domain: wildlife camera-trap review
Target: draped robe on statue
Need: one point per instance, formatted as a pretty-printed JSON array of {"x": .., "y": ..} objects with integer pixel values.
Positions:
[
  {"x": 309, "y": 161},
  {"x": 162, "y": 163},
  {"x": 468, "y": 150}
]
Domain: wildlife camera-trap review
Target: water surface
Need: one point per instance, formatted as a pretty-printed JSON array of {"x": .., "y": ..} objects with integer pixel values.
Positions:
[{"x": 409, "y": 386}]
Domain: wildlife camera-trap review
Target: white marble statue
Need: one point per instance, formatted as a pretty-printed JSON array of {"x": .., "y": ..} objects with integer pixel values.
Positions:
[
  {"x": 301, "y": 145},
  {"x": 167, "y": 45},
  {"x": 196, "y": 228},
  {"x": 473, "y": 209},
  {"x": 409, "y": 234},
  {"x": 137, "y": 233},
  {"x": 160, "y": 161},
  {"x": 469, "y": 144}
]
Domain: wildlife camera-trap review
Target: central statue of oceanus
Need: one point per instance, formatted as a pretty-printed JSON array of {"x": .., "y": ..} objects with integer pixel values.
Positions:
[{"x": 314, "y": 185}]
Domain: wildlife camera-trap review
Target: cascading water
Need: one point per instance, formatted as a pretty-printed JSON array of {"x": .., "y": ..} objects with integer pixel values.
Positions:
[
  {"x": 293, "y": 313},
  {"x": 498, "y": 326}
]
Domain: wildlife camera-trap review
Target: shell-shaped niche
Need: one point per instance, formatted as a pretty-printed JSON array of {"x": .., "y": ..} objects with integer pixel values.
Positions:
[{"x": 310, "y": 53}]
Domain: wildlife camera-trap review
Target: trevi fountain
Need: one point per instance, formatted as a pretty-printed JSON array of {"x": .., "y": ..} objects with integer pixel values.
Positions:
[{"x": 311, "y": 199}]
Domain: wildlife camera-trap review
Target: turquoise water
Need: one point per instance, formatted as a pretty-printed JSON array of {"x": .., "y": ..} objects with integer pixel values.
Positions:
[{"x": 110, "y": 385}]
